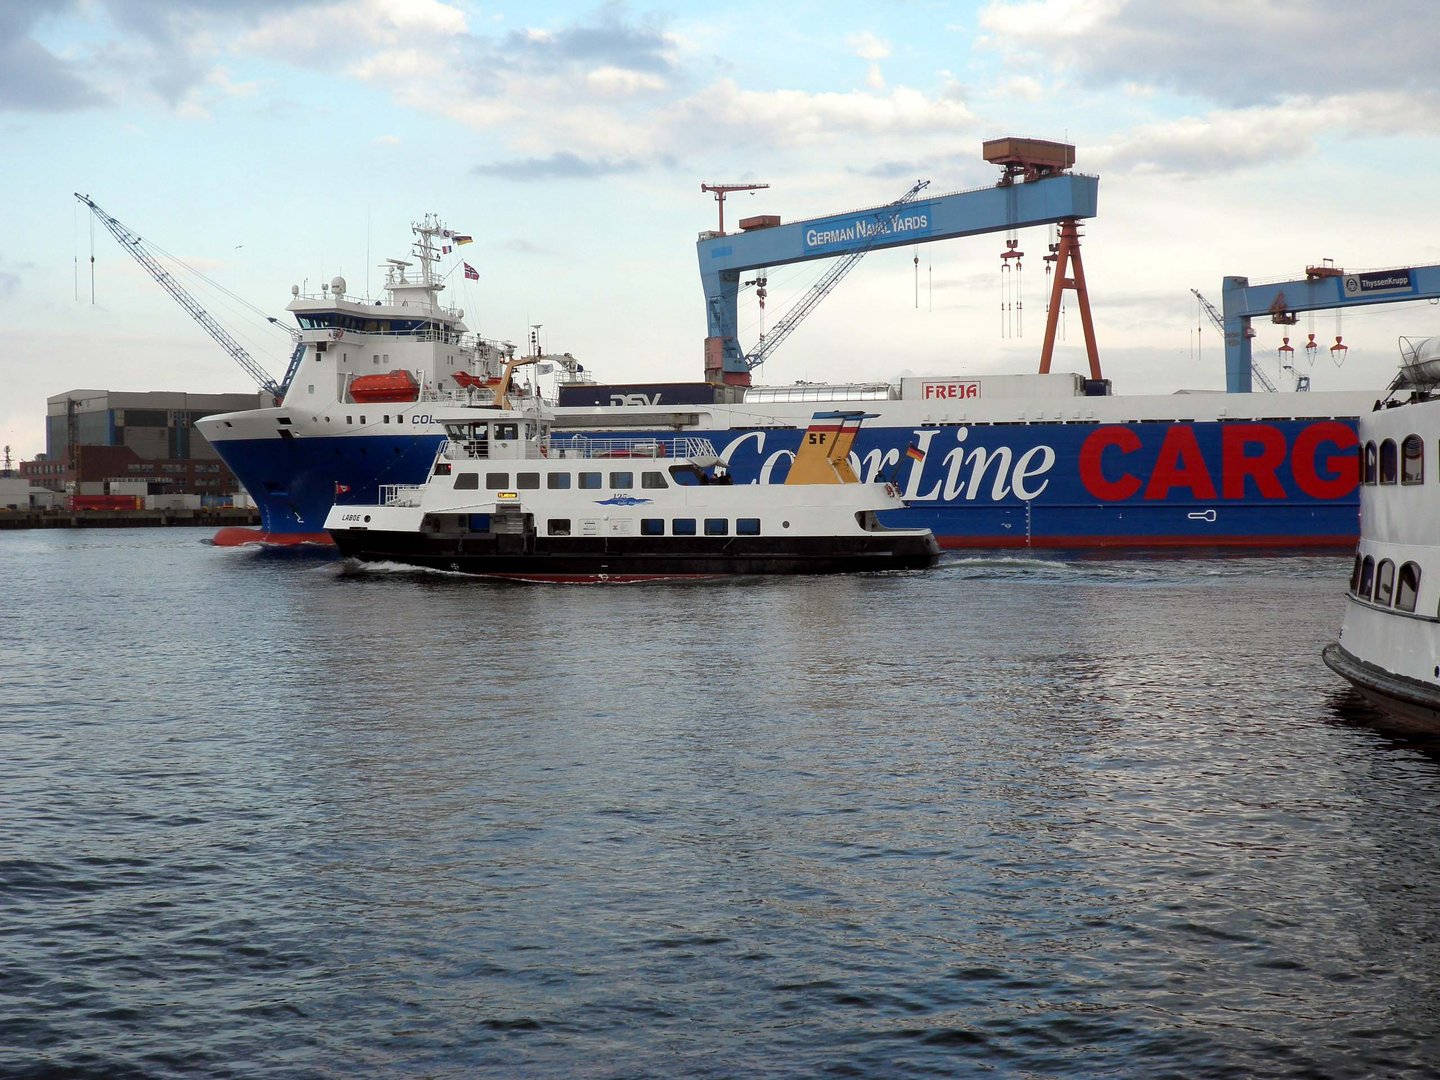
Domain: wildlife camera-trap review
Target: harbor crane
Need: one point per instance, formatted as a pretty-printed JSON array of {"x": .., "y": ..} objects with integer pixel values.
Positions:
[
  {"x": 721, "y": 190},
  {"x": 1302, "y": 382},
  {"x": 137, "y": 249},
  {"x": 1035, "y": 188},
  {"x": 1324, "y": 287},
  {"x": 822, "y": 288}
]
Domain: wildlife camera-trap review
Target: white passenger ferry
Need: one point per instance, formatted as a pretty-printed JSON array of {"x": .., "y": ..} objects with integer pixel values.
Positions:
[
  {"x": 1389, "y": 645},
  {"x": 509, "y": 498}
]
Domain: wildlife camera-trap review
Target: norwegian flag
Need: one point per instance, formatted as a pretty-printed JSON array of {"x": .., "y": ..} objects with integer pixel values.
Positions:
[{"x": 471, "y": 273}]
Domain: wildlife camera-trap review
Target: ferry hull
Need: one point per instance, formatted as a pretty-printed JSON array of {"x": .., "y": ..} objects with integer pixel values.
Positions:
[
  {"x": 1410, "y": 704},
  {"x": 634, "y": 559},
  {"x": 1286, "y": 484}
]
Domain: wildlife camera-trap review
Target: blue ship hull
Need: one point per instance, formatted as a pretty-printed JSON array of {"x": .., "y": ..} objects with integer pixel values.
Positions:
[{"x": 1271, "y": 483}]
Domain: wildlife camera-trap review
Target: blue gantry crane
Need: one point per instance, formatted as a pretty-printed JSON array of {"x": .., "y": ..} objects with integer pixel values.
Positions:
[
  {"x": 136, "y": 247},
  {"x": 1302, "y": 382},
  {"x": 1035, "y": 188},
  {"x": 1323, "y": 288}
]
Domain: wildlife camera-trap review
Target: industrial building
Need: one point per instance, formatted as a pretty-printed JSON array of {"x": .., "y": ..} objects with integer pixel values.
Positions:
[{"x": 96, "y": 438}]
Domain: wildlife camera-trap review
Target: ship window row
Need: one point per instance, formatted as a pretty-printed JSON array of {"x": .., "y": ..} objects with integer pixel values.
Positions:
[
  {"x": 338, "y": 321},
  {"x": 1380, "y": 584},
  {"x": 1389, "y": 462},
  {"x": 619, "y": 480},
  {"x": 677, "y": 527}
]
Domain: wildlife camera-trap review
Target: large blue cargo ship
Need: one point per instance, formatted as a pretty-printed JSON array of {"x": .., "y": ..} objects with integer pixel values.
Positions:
[
  {"x": 1036, "y": 470},
  {"x": 985, "y": 461}
]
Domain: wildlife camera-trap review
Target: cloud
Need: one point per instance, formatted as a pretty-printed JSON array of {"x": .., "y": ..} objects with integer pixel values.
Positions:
[
  {"x": 1236, "y": 54},
  {"x": 607, "y": 41},
  {"x": 727, "y": 113},
  {"x": 32, "y": 78},
  {"x": 559, "y": 166},
  {"x": 163, "y": 47},
  {"x": 332, "y": 34},
  {"x": 868, "y": 47},
  {"x": 1227, "y": 140}
]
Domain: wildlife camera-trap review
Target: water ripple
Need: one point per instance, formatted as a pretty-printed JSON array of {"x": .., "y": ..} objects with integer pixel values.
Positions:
[{"x": 1054, "y": 816}]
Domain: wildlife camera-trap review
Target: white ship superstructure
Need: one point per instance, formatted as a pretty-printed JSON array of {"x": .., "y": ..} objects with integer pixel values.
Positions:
[{"x": 1389, "y": 645}]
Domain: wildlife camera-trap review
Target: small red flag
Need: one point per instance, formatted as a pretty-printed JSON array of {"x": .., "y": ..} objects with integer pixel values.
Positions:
[
  {"x": 471, "y": 273},
  {"x": 342, "y": 489}
]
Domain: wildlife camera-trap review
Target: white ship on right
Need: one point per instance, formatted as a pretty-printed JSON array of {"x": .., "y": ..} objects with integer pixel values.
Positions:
[{"x": 1389, "y": 645}]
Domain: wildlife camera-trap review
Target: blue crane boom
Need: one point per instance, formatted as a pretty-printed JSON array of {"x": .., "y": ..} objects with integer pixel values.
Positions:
[
  {"x": 821, "y": 289},
  {"x": 1054, "y": 198},
  {"x": 135, "y": 246}
]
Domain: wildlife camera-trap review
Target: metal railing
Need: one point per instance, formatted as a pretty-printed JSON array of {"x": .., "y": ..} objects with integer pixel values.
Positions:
[
  {"x": 583, "y": 446},
  {"x": 401, "y": 494}
]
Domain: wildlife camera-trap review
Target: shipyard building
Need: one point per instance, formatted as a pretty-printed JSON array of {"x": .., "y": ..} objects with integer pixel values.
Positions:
[{"x": 99, "y": 441}]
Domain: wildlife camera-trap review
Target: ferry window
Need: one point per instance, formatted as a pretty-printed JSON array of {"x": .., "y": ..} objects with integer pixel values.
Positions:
[
  {"x": 527, "y": 481},
  {"x": 1367, "y": 578},
  {"x": 497, "y": 481},
  {"x": 558, "y": 526},
  {"x": 387, "y": 418},
  {"x": 1355, "y": 577},
  {"x": 557, "y": 481},
  {"x": 652, "y": 526},
  {"x": 1388, "y": 467},
  {"x": 747, "y": 526},
  {"x": 467, "y": 481},
  {"x": 685, "y": 475},
  {"x": 1384, "y": 582},
  {"x": 1408, "y": 588},
  {"x": 1412, "y": 460},
  {"x": 590, "y": 480},
  {"x": 622, "y": 479},
  {"x": 682, "y": 527},
  {"x": 507, "y": 431},
  {"x": 653, "y": 480},
  {"x": 717, "y": 527},
  {"x": 362, "y": 418},
  {"x": 349, "y": 420},
  {"x": 1369, "y": 463}
]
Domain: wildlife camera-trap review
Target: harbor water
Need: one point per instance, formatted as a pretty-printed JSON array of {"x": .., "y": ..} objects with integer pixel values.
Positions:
[{"x": 266, "y": 816}]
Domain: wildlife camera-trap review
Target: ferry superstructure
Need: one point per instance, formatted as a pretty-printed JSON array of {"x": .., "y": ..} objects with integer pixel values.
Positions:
[{"x": 1389, "y": 645}]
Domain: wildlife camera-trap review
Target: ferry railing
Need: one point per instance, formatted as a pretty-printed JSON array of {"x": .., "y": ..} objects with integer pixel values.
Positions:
[
  {"x": 584, "y": 446},
  {"x": 514, "y": 450},
  {"x": 400, "y": 494}
]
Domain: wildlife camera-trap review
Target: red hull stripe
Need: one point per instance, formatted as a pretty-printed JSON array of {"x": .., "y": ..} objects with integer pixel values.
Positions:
[
  {"x": 238, "y": 536},
  {"x": 598, "y": 579},
  {"x": 1291, "y": 542}
]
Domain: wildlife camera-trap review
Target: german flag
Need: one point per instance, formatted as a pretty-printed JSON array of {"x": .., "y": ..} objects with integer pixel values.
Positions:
[{"x": 914, "y": 453}]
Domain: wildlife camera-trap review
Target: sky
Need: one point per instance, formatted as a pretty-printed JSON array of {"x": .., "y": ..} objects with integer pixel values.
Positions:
[{"x": 271, "y": 143}]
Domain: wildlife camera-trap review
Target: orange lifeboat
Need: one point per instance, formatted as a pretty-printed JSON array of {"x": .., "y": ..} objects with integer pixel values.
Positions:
[
  {"x": 468, "y": 381},
  {"x": 387, "y": 387}
]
